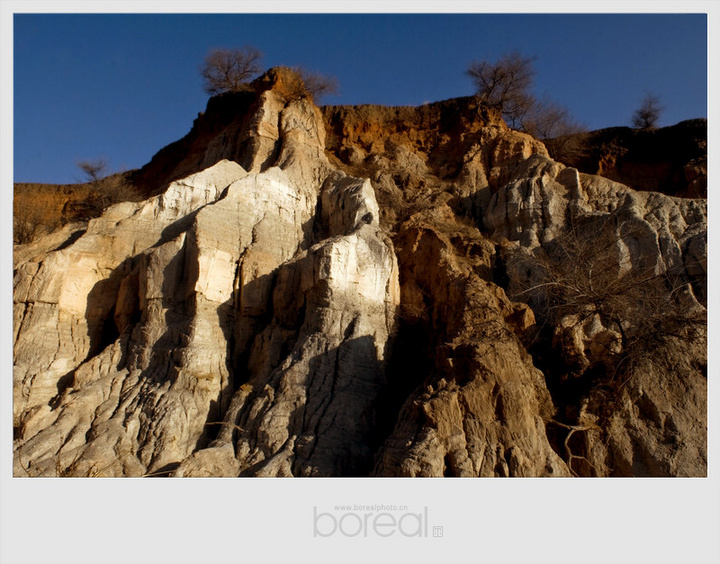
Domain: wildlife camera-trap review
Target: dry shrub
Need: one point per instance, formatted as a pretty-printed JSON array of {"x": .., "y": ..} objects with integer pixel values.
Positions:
[
  {"x": 581, "y": 274},
  {"x": 298, "y": 83},
  {"x": 39, "y": 209},
  {"x": 552, "y": 124},
  {"x": 27, "y": 220},
  {"x": 116, "y": 188}
]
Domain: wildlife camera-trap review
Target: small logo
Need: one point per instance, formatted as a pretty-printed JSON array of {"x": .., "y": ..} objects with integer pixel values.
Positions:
[{"x": 373, "y": 520}]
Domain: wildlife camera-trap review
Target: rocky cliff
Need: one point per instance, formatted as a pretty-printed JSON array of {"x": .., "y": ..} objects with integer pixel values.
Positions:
[
  {"x": 671, "y": 160},
  {"x": 364, "y": 291}
]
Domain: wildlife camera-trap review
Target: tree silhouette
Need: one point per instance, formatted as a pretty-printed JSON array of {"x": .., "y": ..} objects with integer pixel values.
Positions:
[
  {"x": 93, "y": 170},
  {"x": 648, "y": 114},
  {"x": 505, "y": 85},
  {"x": 230, "y": 70}
]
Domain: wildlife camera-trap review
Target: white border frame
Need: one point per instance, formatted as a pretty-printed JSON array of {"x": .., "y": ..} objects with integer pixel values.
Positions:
[{"x": 270, "y": 520}]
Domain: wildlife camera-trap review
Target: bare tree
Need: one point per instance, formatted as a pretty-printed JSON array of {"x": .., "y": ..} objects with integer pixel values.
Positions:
[
  {"x": 547, "y": 119},
  {"x": 648, "y": 114},
  {"x": 552, "y": 124},
  {"x": 505, "y": 85},
  {"x": 581, "y": 274},
  {"x": 230, "y": 70},
  {"x": 93, "y": 170},
  {"x": 607, "y": 317}
]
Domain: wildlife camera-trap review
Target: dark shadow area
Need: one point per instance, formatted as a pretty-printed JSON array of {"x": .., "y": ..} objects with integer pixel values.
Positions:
[
  {"x": 212, "y": 425},
  {"x": 64, "y": 382},
  {"x": 70, "y": 240},
  {"x": 164, "y": 472},
  {"x": 661, "y": 160},
  {"x": 100, "y": 308},
  {"x": 182, "y": 225},
  {"x": 342, "y": 410},
  {"x": 409, "y": 364}
]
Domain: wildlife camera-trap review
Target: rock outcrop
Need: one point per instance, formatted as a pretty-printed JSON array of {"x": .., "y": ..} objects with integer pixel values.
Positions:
[
  {"x": 363, "y": 291},
  {"x": 483, "y": 406},
  {"x": 671, "y": 160},
  {"x": 638, "y": 356}
]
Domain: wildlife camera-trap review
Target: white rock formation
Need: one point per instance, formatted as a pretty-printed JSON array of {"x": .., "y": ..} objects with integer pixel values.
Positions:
[{"x": 130, "y": 338}]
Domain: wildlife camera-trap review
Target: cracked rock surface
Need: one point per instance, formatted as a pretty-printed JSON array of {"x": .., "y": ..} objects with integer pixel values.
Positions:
[{"x": 364, "y": 291}]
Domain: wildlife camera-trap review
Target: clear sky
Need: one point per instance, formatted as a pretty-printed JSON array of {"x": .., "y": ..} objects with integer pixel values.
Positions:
[{"x": 122, "y": 86}]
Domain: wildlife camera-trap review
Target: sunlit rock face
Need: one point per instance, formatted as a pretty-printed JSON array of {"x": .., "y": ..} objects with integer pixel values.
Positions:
[
  {"x": 138, "y": 339},
  {"x": 363, "y": 291}
]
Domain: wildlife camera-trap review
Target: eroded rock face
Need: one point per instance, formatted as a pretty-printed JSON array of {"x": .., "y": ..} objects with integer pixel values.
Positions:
[
  {"x": 316, "y": 364},
  {"x": 671, "y": 160},
  {"x": 172, "y": 306},
  {"x": 483, "y": 407},
  {"x": 327, "y": 294},
  {"x": 617, "y": 254},
  {"x": 159, "y": 307}
]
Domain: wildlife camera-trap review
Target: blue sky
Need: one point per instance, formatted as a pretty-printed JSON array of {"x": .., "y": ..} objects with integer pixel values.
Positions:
[{"x": 122, "y": 86}]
